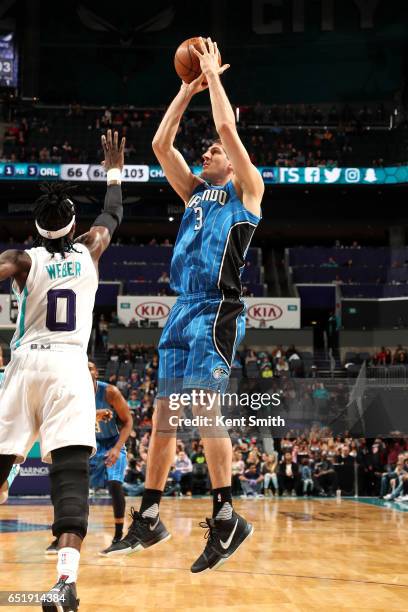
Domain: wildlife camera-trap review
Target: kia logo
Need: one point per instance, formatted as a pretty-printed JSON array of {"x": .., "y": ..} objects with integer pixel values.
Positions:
[
  {"x": 265, "y": 312},
  {"x": 152, "y": 310}
]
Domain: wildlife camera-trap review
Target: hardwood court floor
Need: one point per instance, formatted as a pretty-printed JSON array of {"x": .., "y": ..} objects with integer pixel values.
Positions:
[{"x": 307, "y": 556}]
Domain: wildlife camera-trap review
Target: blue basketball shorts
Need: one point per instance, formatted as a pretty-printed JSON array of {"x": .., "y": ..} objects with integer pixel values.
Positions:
[
  {"x": 198, "y": 343},
  {"x": 99, "y": 473}
]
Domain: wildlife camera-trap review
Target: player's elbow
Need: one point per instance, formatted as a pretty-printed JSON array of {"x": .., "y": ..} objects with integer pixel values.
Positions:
[
  {"x": 225, "y": 128},
  {"x": 159, "y": 146}
]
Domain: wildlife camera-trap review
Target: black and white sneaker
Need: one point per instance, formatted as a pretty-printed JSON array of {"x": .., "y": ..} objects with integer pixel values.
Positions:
[
  {"x": 223, "y": 539},
  {"x": 52, "y": 548},
  {"x": 61, "y": 598},
  {"x": 143, "y": 533},
  {"x": 107, "y": 551}
]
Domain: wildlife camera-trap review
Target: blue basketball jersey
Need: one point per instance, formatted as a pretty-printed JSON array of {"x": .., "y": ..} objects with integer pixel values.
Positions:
[
  {"x": 110, "y": 429},
  {"x": 212, "y": 242}
]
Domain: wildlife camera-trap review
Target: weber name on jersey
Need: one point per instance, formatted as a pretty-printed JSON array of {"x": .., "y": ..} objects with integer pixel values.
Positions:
[{"x": 56, "y": 304}]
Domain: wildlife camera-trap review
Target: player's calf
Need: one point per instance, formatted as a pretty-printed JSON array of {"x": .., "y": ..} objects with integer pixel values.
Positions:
[
  {"x": 69, "y": 476},
  {"x": 8, "y": 480}
]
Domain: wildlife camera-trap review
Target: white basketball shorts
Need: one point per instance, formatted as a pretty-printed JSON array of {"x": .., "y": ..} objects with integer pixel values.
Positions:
[{"x": 47, "y": 394}]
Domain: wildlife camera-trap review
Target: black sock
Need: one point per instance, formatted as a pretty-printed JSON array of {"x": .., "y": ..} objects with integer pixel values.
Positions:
[
  {"x": 118, "y": 531},
  {"x": 220, "y": 497},
  {"x": 6, "y": 463},
  {"x": 150, "y": 497}
]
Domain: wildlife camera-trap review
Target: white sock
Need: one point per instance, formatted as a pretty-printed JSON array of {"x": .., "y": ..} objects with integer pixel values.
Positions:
[
  {"x": 151, "y": 512},
  {"x": 225, "y": 514},
  {"x": 68, "y": 563}
]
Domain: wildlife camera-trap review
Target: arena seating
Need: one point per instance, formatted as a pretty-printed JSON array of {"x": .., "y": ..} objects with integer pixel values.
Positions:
[
  {"x": 359, "y": 272},
  {"x": 287, "y": 136}
]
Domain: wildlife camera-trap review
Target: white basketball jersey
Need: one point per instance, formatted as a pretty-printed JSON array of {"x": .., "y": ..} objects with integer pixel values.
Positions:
[{"x": 56, "y": 304}]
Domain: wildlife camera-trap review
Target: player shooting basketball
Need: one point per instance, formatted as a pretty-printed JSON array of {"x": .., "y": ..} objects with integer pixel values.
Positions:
[
  {"x": 197, "y": 347},
  {"x": 47, "y": 389}
]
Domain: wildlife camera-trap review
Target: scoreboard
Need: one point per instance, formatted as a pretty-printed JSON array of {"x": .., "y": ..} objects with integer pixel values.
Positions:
[{"x": 8, "y": 60}]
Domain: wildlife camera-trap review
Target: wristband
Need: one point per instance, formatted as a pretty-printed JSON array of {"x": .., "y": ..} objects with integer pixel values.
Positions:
[{"x": 114, "y": 174}]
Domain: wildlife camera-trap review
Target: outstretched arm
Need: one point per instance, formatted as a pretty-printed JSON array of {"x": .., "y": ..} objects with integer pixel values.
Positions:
[
  {"x": 99, "y": 236},
  {"x": 15, "y": 264},
  {"x": 171, "y": 160},
  {"x": 173, "y": 163},
  {"x": 247, "y": 176}
]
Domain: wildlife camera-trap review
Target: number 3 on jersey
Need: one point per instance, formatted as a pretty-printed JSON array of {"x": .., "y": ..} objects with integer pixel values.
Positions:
[
  {"x": 61, "y": 310},
  {"x": 199, "y": 218}
]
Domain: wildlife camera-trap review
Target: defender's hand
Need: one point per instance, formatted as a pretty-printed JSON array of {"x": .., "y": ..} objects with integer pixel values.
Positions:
[
  {"x": 209, "y": 57},
  {"x": 114, "y": 154}
]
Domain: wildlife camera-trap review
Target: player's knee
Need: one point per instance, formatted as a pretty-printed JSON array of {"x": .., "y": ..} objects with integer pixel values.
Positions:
[
  {"x": 69, "y": 475},
  {"x": 163, "y": 417}
]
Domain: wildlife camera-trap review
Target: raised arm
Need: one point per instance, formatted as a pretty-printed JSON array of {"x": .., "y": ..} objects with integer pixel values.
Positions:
[
  {"x": 247, "y": 176},
  {"x": 15, "y": 264},
  {"x": 171, "y": 160},
  {"x": 99, "y": 236}
]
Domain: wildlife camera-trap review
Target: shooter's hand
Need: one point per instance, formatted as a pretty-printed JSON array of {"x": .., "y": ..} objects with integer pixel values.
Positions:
[{"x": 209, "y": 57}]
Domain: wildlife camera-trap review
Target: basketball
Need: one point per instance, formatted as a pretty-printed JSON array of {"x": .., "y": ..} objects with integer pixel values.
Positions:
[{"x": 187, "y": 64}]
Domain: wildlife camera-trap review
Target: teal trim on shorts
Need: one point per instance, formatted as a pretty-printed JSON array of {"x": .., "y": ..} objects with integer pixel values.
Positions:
[{"x": 21, "y": 329}]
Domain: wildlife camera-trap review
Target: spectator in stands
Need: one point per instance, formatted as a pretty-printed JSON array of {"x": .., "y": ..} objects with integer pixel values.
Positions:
[
  {"x": 346, "y": 472},
  {"x": 134, "y": 479},
  {"x": 134, "y": 401},
  {"x": 330, "y": 263},
  {"x": 183, "y": 472},
  {"x": 134, "y": 381},
  {"x": 288, "y": 475},
  {"x": 395, "y": 448},
  {"x": 324, "y": 476},
  {"x": 114, "y": 353},
  {"x": 200, "y": 471},
  {"x": 383, "y": 357},
  {"x": 278, "y": 353},
  {"x": 400, "y": 355},
  {"x": 292, "y": 353},
  {"x": 306, "y": 476},
  {"x": 269, "y": 471},
  {"x": 397, "y": 483},
  {"x": 163, "y": 278},
  {"x": 122, "y": 385},
  {"x": 320, "y": 392},
  {"x": 238, "y": 469},
  {"x": 282, "y": 367},
  {"x": 252, "y": 480}
]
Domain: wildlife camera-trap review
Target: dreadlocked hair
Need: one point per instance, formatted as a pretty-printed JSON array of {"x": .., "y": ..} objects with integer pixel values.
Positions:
[{"x": 52, "y": 211}]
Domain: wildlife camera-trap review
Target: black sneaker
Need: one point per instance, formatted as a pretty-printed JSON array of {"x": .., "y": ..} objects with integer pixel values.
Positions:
[
  {"x": 223, "y": 539},
  {"x": 61, "y": 598},
  {"x": 105, "y": 553},
  {"x": 143, "y": 533},
  {"x": 52, "y": 548}
]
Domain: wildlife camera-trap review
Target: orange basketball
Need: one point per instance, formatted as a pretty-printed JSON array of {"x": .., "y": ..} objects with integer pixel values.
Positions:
[{"x": 187, "y": 64}]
